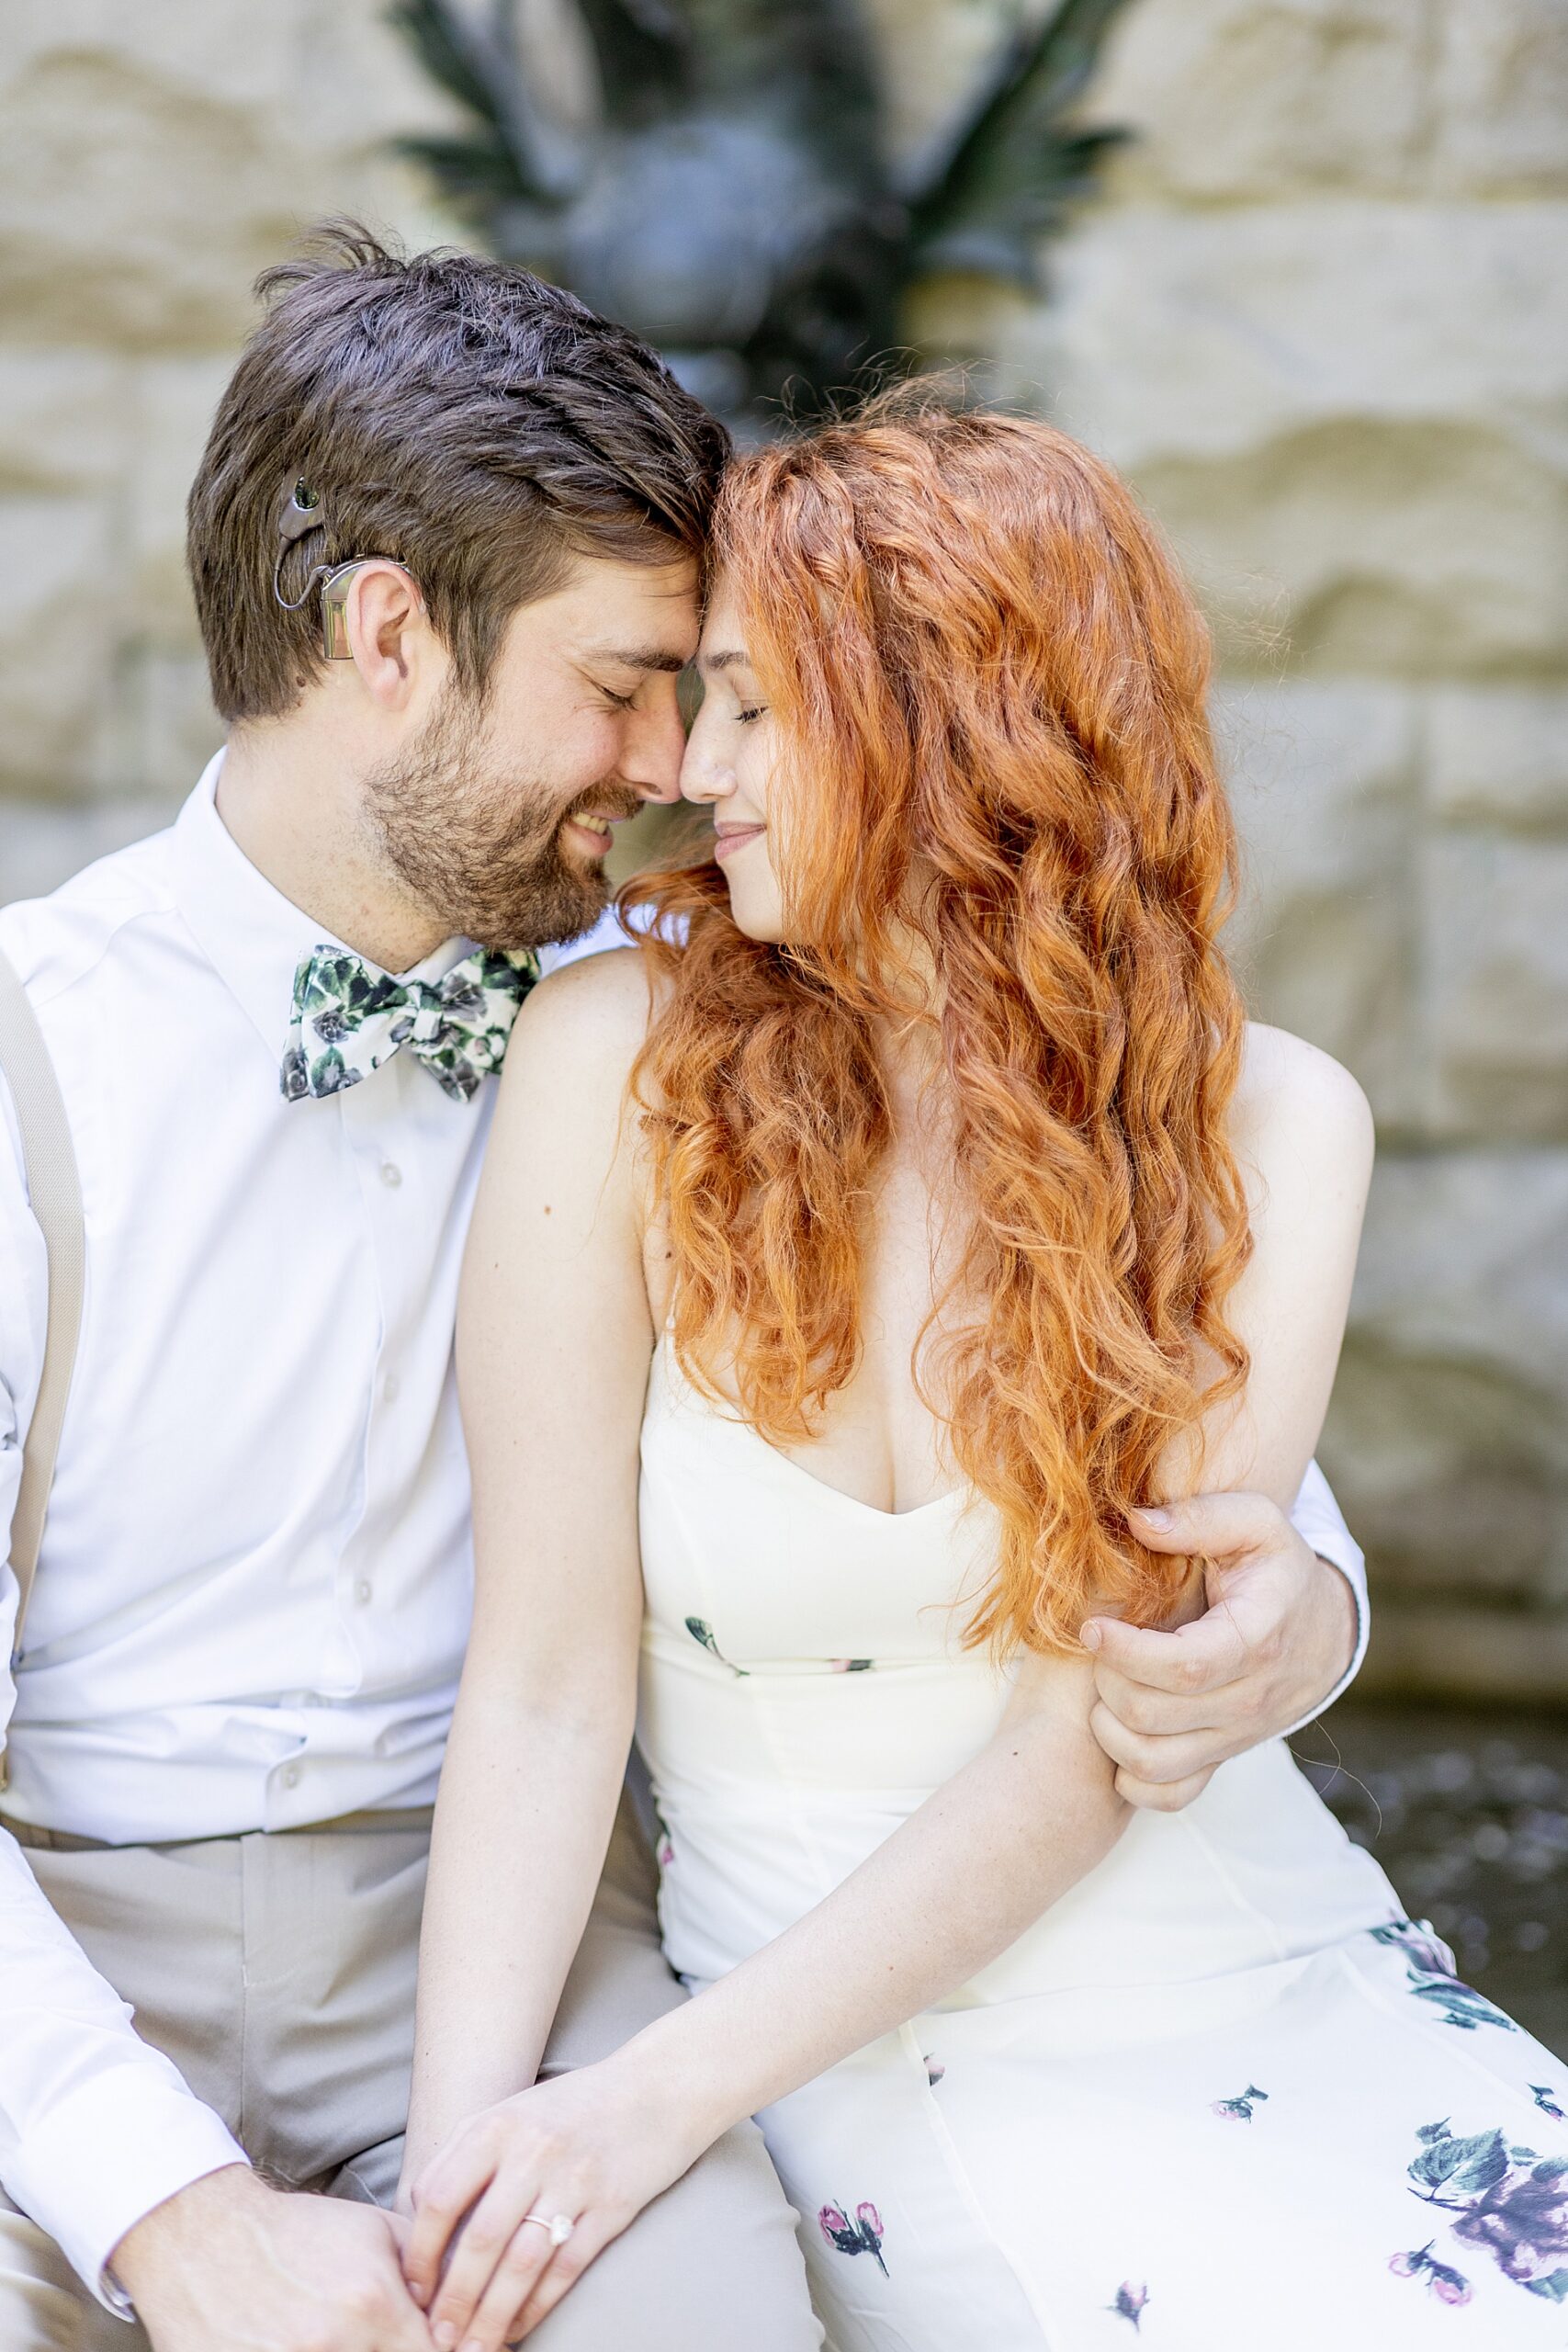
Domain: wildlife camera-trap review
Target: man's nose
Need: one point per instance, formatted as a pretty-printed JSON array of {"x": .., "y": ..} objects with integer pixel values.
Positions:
[{"x": 653, "y": 766}]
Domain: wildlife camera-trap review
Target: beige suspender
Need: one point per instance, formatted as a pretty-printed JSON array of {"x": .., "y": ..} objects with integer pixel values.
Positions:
[{"x": 50, "y": 1165}]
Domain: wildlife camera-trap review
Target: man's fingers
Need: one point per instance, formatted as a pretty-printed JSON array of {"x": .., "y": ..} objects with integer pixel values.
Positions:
[
  {"x": 1161, "y": 1761},
  {"x": 404, "y": 2330},
  {"x": 395, "y": 2322},
  {"x": 1170, "y": 1797},
  {"x": 1216, "y": 1526},
  {"x": 1194, "y": 1659},
  {"x": 1142, "y": 1708}
]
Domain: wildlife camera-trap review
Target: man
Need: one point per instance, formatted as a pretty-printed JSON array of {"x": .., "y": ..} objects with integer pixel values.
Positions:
[{"x": 232, "y": 1690}]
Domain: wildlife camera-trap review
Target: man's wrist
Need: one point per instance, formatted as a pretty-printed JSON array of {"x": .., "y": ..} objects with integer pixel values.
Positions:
[{"x": 167, "y": 2238}]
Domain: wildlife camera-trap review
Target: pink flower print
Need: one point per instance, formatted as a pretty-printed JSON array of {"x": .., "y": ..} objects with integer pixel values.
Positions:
[
  {"x": 1130, "y": 2301},
  {"x": 935, "y": 2070},
  {"x": 1448, "y": 2285},
  {"x": 862, "y": 2235},
  {"x": 666, "y": 1853},
  {"x": 850, "y": 1664},
  {"x": 1238, "y": 2110}
]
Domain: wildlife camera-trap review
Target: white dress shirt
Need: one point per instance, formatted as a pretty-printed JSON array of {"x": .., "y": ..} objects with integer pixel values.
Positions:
[{"x": 254, "y": 1589}]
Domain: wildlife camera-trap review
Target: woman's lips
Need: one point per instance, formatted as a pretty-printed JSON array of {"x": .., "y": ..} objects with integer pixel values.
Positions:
[{"x": 728, "y": 838}]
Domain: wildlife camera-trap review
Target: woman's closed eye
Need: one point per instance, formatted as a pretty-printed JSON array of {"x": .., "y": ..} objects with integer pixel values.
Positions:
[{"x": 744, "y": 718}]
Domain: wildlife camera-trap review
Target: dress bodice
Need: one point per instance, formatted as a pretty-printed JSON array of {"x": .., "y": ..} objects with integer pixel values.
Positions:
[{"x": 804, "y": 1687}]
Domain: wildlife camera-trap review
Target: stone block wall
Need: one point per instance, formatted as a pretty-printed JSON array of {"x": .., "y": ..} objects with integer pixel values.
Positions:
[
  {"x": 153, "y": 158},
  {"x": 1319, "y": 317}
]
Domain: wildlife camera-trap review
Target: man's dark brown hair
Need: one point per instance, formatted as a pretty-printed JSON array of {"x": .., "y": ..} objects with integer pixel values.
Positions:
[{"x": 477, "y": 425}]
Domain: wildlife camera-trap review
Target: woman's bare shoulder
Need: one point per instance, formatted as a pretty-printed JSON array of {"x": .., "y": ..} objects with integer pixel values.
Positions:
[
  {"x": 1286, "y": 1071},
  {"x": 1296, "y": 1105},
  {"x": 576, "y": 1040},
  {"x": 607, "y": 997}
]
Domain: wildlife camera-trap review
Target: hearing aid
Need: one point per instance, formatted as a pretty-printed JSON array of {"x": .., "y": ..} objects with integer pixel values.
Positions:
[{"x": 299, "y": 513}]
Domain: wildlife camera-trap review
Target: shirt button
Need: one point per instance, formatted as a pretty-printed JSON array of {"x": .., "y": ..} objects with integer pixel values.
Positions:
[
  {"x": 362, "y": 1591},
  {"x": 391, "y": 1174},
  {"x": 292, "y": 1776},
  {"x": 389, "y": 1388}
]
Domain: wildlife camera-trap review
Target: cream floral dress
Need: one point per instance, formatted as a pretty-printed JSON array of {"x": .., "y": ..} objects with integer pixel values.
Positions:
[{"x": 1221, "y": 2097}]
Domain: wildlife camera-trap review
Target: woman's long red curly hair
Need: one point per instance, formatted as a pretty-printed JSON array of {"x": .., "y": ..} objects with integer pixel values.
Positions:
[{"x": 989, "y": 683}]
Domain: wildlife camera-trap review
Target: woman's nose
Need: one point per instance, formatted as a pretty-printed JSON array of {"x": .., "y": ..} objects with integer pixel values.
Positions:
[{"x": 704, "y": 780}]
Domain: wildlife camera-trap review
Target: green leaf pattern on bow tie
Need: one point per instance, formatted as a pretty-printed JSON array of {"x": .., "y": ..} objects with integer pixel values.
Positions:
[{"x": 348, "y": 1019}]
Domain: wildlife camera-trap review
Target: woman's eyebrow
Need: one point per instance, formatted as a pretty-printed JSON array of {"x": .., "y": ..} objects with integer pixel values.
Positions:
[{"x": 727, "y": 661}]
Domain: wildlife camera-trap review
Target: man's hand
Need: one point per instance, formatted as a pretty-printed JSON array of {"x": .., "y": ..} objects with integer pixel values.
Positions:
[
  {"x": 231, "y": 2265},
  {"x": 1280, "y": 1633}
]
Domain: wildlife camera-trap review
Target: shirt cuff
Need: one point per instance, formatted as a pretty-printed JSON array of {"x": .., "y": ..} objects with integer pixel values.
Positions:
[
  {"x": 1318, "y": 1520},
  {"x": 104, "y": 2155},
  {"x": 1363, "y": 1632}
]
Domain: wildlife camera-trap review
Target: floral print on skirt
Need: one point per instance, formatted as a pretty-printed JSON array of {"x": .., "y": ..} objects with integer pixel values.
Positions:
[{"x": 1037, "y": 2187}]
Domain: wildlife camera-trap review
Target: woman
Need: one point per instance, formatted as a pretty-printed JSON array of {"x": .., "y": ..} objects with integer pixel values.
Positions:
[{"x": 956, "y": 1218}]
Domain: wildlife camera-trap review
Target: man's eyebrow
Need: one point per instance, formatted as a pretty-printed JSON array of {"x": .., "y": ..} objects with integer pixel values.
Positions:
[
  {"x": 641, "y": 657},
  {"x": 735, "y": 659}
]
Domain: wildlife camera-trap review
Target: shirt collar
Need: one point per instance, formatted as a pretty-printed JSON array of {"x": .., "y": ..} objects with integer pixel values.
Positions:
[{"x": 252, "y": 935}]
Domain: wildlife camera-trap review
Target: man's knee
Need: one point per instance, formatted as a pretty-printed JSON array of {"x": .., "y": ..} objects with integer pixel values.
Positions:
[{"x": 712, "y": 2266}]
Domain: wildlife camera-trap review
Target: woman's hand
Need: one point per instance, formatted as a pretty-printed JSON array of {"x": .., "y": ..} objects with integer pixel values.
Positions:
[{"x": 593, "y": 2146}]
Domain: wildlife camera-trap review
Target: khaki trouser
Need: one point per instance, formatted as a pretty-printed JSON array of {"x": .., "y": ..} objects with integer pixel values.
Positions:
[{"x": 278, "y": 1975}]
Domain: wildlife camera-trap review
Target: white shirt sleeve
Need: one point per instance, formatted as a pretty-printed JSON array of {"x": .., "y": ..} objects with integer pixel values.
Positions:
[
  {"x": 1318, "y": 1518},
  {"x": 97, "y": 2127}
]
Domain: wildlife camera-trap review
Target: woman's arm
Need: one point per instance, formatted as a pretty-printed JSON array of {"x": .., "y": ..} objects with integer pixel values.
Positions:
[
  {"x": 1302, "y": 1135},
  {"x": 1005, "y": 1837},
  {"x": 553, "y": 1347}
]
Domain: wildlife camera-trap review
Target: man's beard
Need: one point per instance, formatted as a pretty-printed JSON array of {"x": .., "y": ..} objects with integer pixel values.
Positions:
[{"x": 480, "y": 850}]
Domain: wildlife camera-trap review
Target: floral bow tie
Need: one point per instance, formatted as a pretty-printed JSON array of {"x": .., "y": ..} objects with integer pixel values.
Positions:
[{"x": 349, "y": 1019}]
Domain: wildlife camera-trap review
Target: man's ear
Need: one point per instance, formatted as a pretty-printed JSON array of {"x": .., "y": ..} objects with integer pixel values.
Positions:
[{"x": 389, "y": 636}]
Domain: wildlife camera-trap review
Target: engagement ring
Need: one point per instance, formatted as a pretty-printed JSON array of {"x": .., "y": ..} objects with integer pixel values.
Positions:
[{"x": 560, "y": 2225}]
